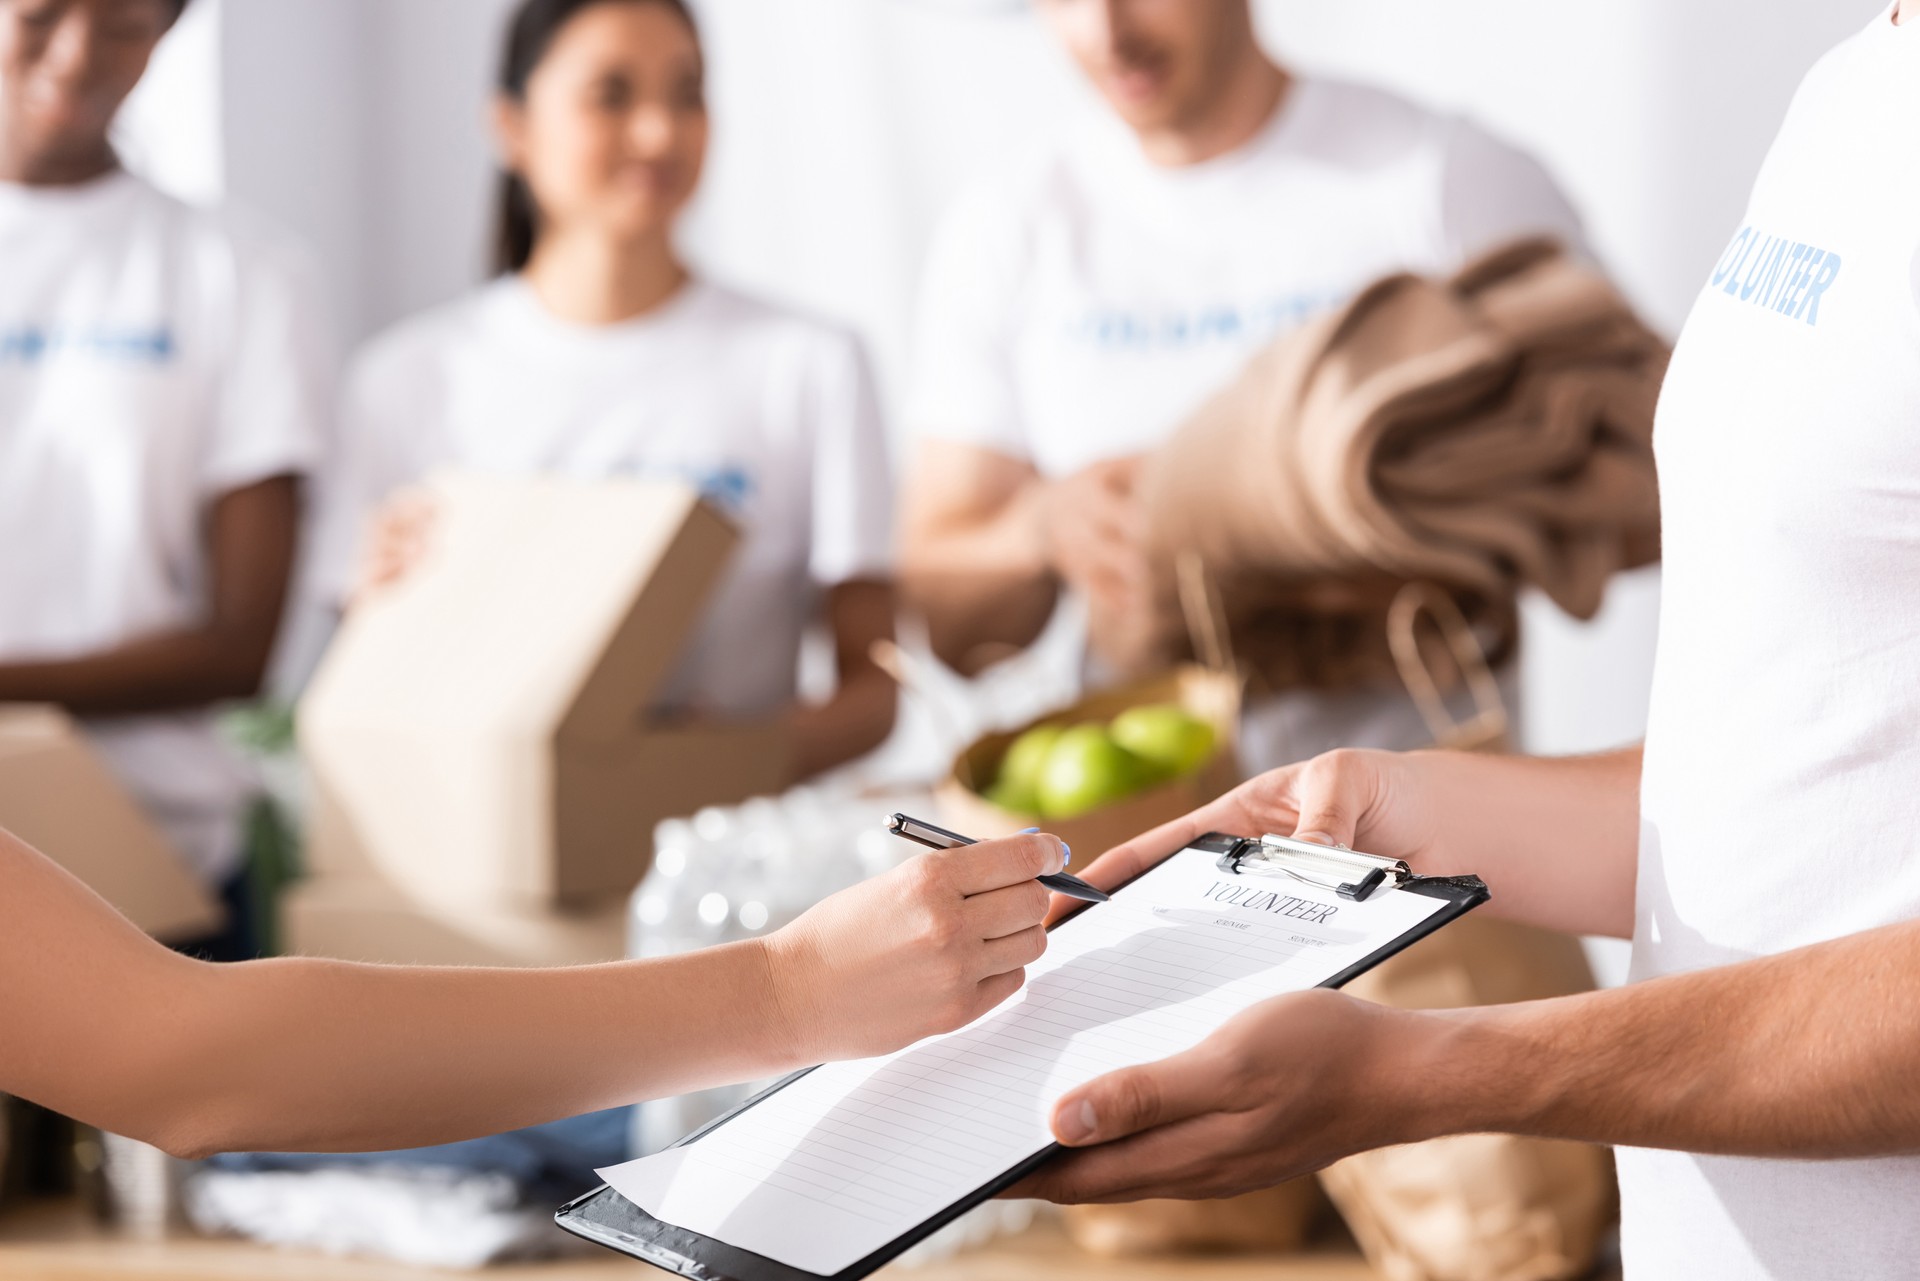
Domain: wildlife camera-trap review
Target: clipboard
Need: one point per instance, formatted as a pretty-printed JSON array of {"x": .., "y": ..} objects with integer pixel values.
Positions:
[{"x": 606, "y": 1218}]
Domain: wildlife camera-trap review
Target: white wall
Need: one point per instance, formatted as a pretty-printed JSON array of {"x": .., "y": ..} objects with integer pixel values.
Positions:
[
  {"x": 429, "y": 66},
  {"x": 843, "y": 126},
  {"x": 170, "y": 127},
  {"x": 296, "y": 125}
]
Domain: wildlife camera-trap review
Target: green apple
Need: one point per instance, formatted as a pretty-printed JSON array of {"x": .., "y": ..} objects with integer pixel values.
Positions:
[
  {"x": 1020, "y": 767},
  {"x": 1087, "y": 770},
  {"x": 1167, "y": 734},
  {"x": 1014, "y": 800}
]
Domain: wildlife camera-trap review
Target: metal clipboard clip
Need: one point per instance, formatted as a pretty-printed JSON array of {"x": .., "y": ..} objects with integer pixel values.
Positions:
[{"x": 1351, "y": 875}]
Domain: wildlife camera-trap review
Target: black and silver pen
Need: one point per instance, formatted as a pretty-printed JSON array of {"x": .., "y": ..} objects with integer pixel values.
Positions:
[{"x": 939, "y": 838}]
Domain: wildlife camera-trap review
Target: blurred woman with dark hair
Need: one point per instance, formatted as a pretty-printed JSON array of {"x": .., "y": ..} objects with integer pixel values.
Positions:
[
  {"x": 597, "y": 353},
  {"x": 161, "y": 394}
]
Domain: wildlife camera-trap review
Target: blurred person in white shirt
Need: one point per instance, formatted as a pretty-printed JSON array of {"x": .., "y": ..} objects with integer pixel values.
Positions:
[
  {"x": 597, "y": 353},
  {"x": 1081, "y": 302},
  {"x": 161, "y": 395},
  {"x": 1756, "y": 1075}
]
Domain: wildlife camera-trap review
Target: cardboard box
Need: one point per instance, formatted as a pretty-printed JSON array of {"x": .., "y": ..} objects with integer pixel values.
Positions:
[
  {"x": 366, "y": 920},
  {"x": 1210, "y": 695},
  {"x": 60, "y": 798},
  {"x": 481, "y": 727}
]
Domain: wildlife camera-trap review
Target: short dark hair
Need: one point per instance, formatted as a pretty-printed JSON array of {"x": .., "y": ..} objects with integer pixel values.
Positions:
[{"x": 531, "y": 32}]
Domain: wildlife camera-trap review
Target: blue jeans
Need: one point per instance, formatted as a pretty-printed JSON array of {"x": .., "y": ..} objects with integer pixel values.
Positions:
[{"x": 549, "y": 1163}]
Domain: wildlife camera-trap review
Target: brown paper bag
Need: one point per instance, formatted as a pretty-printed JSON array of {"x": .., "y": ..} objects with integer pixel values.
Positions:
[
  {"x": 1276, "y": 1220},
  {"x": 1477, "y": 1207}
]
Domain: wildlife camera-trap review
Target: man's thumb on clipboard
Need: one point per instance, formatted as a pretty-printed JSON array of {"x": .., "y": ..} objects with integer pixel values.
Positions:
[{"x": 1356, "y": 798}]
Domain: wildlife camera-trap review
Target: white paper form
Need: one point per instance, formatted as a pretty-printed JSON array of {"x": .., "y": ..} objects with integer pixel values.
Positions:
[{"x": 853, "y": 1155}]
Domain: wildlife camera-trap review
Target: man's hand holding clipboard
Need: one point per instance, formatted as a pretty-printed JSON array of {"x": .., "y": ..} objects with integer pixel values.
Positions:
[
  {"x": 1303, "y": 1080},
  {"x": 1273, "y": 1094},
  {"x": 1352, "y": 799}
]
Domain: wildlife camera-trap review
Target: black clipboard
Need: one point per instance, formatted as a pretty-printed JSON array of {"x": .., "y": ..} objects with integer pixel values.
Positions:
[{"x": 606, "y": 1218}]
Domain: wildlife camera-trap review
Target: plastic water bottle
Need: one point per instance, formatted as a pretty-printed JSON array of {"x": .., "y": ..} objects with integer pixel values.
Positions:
[{"x": 742, "y": 872}]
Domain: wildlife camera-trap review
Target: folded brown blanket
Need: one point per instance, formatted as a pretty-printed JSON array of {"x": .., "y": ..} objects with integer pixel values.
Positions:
[{"x": 1482, "y": 433}]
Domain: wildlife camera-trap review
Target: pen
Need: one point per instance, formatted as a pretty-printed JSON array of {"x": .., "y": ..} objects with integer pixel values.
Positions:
[{"x": 939, "y": 838}]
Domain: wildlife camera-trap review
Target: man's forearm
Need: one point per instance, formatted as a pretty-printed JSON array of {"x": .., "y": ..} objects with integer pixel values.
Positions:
[
  {"x": 975, "y": 620},
  {"x": 982, "y": 584},
  {"x": 865, "y": 701},
  {"x": 252, "y": 534},
  {"x": 1556, "y": 839},
  {"x": 1807, "y": 1054},
  {"x": 852, "y": 723},
  {"x": 162, "y": 673}
]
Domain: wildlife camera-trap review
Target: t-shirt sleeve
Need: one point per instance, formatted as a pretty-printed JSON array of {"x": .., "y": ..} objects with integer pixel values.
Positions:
[
  {"x": 1493, "y": 193},
  {"x": 852, "y": 474},
  {"x": 961, "y": 384},
  {"x": 271, "y": 404}
]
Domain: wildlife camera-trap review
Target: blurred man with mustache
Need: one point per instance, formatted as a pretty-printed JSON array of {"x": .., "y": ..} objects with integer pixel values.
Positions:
[{"x": 1081, "y": 303}]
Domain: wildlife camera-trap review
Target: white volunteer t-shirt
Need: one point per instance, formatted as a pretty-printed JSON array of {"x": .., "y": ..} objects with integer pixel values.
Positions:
[
  {"x": 773, "y": 417},
  {"x": 1780, "y": 804},
  {"x": 153, "y": 356},
  {"x": 1079, "y": 306}
]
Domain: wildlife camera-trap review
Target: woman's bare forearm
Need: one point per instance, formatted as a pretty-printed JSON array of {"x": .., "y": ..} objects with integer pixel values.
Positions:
[
  {"x": 105, "y": 1025},
  {"x": 99, "y": 1022},
  {"x": 310, "y": 1055}
]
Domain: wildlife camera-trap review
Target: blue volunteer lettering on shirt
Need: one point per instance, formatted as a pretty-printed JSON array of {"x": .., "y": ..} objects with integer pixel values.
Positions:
[
  {"x": 728, "y": 486},
  {"x": 32, "y": 344},
  {"x": 1115, "y": 328},
  {"x": 1787, "y": 277}
]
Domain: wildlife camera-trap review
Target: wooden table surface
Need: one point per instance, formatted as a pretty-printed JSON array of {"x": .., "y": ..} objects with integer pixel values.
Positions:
[{"x": 54, "y": 1241}]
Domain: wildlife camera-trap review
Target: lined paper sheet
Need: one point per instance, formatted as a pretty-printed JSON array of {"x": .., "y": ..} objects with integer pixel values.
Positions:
[{"x": 853, "y": 1155}]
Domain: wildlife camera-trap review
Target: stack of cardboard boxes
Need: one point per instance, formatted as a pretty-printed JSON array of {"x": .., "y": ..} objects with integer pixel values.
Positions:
[
  {"x": 485, "y": 771},
  {"x": 60, "y": 798}
]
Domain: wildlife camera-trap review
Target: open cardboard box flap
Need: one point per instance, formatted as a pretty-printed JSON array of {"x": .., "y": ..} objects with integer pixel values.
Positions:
[
  {"x": 482, "y": 724},
  {"x": 357, "y": 919},
  {"x": 58, "y": 796}
]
